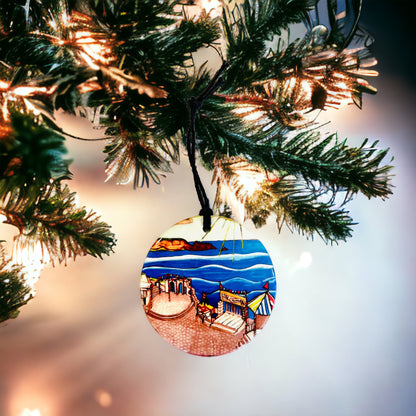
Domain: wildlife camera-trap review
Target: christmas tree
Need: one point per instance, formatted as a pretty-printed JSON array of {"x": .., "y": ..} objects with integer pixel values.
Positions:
[{"x": 130, "y": 66}]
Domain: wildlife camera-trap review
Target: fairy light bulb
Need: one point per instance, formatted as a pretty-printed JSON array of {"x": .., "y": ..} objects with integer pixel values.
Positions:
[
  {"x": 249, "y": 180},
  {"x": 28, "y": 412},
  {"x": 33, "y": 258},
  {"x": 93, "y": 50}
]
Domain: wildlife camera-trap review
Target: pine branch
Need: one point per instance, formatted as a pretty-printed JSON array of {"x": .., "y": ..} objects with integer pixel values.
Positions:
[
  {"x": 14, "y": 293},
  {"x": 249, "y": 26},
  {"x": 334, "y": 164},
  {"x": 131, "y": 62},
  {"x": 31, "y": 154},
  {"x": 138, "y": 157},
  {"x": 144, "y": 127},
  {"x": 300, "y": 208},
  {"x": 53, "y": 221},
  {"x": 293, "y": 201}
]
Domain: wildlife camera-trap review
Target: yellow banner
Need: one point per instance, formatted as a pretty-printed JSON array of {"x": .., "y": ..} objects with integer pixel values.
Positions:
[{"x": 232, "y": 298}]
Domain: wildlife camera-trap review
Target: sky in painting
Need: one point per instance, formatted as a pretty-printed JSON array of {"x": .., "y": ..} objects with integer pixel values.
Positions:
[{"x": 191, "y": 230}]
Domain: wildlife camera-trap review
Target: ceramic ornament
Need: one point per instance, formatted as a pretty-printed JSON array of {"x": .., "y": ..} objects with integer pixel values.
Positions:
[{"x": 208, "y": 293}]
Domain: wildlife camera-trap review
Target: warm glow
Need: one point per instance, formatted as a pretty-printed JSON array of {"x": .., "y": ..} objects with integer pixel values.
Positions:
[
  {"x": 88, "y": 86},
  {"x": 26, "y": 91},
  {"x": 4, "y": 85},
  {"x": 33, "y": 258},
  {"x": 304, "y": 85},
  {"x": 23, "y": 91},
  {"x": 5, "y": 130},
  {"x": 28, "y": 412},
  {"x": 93, "y": 50},
  {"x": 52, "y": 24},
  {"x": 249, "y": 112},
  {"x": 254, "y": 116},
  {"x": 291, "y": 82},
  {"x": 245, "y": 181},
  {"x": 250, "y": 180},
  {"x": 103, "y": 398},
  {"x": 244, "y": 109},
  {"x": 29, "y": 396},
  {"x": 31, "y": 107},
  {"x": 65, "y": 19},
  {"x": 305, "y": 260}
]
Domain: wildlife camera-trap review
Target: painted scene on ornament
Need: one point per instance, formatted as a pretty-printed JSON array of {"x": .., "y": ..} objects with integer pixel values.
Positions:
[{"x": 208, "y": 293}]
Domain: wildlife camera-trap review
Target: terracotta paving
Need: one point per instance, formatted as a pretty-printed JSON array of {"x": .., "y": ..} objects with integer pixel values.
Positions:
[
  {"x": 177, "y": 303},
  {"x": 189, "y": 334}
]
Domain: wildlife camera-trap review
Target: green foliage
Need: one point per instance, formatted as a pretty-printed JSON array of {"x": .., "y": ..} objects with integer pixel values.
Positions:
[
  {"x": 250, "y": 27},
  {"x": 14, "y": 293},
  {"x": 31, "y": 154},
  {"x": 334, "y": 164},
  {"x": 54, "y": 221},
  {"x": 142, "y": 87},
  {"x": 130, "y": 63},
  {"x": 296, "y": 205},
  {"x": 139, "y": 157}
]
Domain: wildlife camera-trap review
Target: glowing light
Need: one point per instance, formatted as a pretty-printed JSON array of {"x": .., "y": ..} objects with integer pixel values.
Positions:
[
  {"x": 243, "y": 183},
  {"x": 304, "y": 87},
  {"x": 5, "y": 129},
  {"x": 93, "y": 50},
  {"x": 28, "y": 412},
  {"x": 4, "y": 85},
  {"x": 33, "y": 258},
  {"x": 254, "y": 116},
  {"x": 103, "y": 398},
  {"x": 243, "y": 109},
  {"x": 89, "y": 86},
  {"x": 212, "y": 7},
  {"x": 249, "y": 180},
  {"x": 52, "y": 24},
  {"x": 22, "y": 91},
  {"x": 5, "y": 111},
  {"x": 305, "y": 260},
  {"x": 291, "y": 82},
  {"x": 31, "y": 107},
  {"x": 30, "y": 397},
  {"x": 26, "y": 91},
  {"x": 249, "y": 113},
  {"x": 65, "y": 18}
]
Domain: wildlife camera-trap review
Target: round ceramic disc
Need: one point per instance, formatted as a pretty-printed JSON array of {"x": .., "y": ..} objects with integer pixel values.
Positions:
[{"x": 208, "y": 293}]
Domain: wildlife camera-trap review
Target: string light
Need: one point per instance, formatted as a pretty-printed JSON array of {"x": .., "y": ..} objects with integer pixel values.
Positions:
[
  {"x": 246, "y": 181},
  {"x": 28, "y": 412},
  {"x": 33, "y": 257},
  {"x": 93, "y": 50},
  {"x": 23, "y": 92},
  {"x": 249, "y": 112}
]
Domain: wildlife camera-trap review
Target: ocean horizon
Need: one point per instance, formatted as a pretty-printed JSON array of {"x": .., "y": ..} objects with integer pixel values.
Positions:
[{"x": 238, "y": 265}]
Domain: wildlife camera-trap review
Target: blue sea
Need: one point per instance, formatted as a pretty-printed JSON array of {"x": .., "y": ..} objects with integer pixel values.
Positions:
[{"x": 240, "y": 265}]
